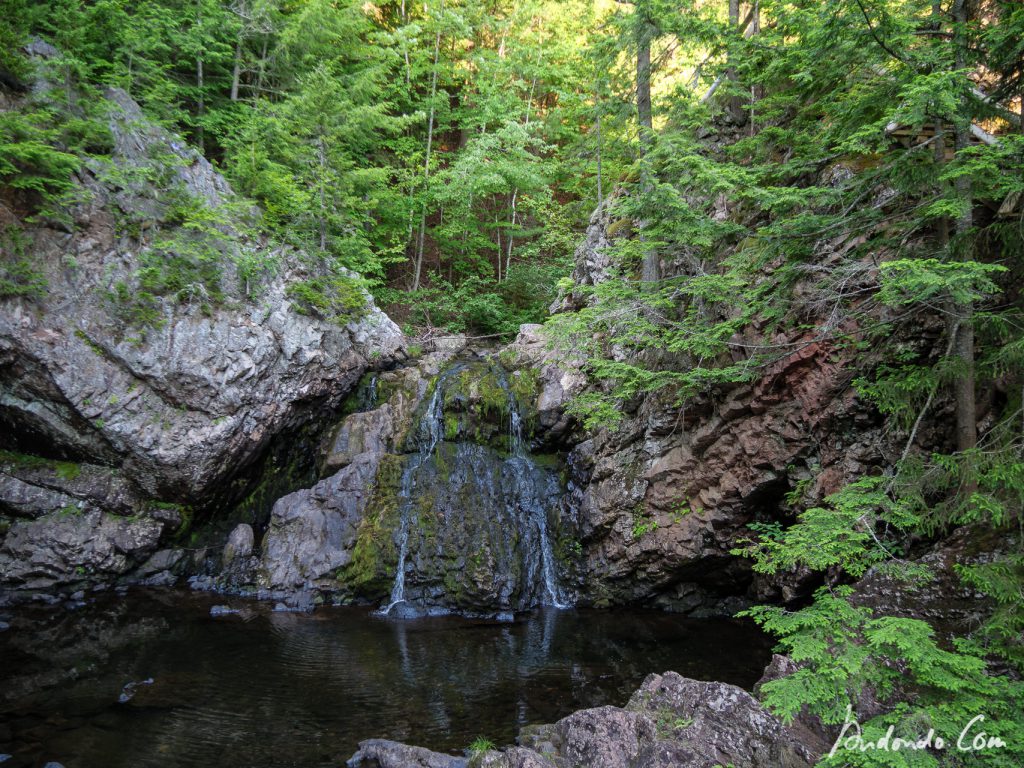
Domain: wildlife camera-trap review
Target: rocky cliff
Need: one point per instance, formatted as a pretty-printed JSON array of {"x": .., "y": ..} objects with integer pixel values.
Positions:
[
  {"x": 661, "y": 500},
  {"x": 158, "y": 362},
  {"x": 432, "y": 499},
  {"x": 647, "y": 513},
  {"x": 170, "y": 347}
]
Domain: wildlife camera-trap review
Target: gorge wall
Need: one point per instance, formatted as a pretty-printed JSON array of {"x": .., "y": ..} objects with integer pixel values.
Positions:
[{"x": 117, "y": 433}]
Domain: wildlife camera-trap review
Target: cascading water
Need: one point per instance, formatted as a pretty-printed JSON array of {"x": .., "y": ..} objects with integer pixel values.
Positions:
[
  {"x": 427, "y": 436},
  {"x": 473, "y": 504},
  {"x": 519, "y": 458}
]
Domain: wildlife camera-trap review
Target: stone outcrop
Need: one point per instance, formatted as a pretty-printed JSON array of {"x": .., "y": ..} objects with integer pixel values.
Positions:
[
  {"x": 313, "y": 532},
  {"x": 557, "y": 382},
  {"x": 944, "y": 599},
  {"x": 68, "y": 525},
  {"x": 671, "y": 721},
  {"x": 172, "y": 404},
  {"x": 443, "y": 490},
  {"x": 381, "y": 753},
  {"x": 660, "y": 502}
]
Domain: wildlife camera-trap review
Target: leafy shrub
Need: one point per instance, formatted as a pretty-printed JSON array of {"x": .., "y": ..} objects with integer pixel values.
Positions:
[
  {"x": 333, "y": 297},
  {"x": 29, "y": 159},
  {"x": 18, "y": 277}
]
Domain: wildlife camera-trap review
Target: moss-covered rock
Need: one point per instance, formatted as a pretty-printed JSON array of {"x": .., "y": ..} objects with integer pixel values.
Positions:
[{"x": 370, "y": 572}]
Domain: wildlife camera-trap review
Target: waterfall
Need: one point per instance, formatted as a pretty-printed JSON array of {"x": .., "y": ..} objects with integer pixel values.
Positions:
[
  {"x": 371, "y": 396},
  {"x": 537, "y": 513},
  {"x": 427, "y": 437},
  {"x": 467, "y": 508}
]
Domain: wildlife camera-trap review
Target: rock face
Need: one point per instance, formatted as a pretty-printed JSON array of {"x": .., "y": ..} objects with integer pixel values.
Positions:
[
  {"x": 660, "y": 501},
  {"x": 944, "y": 601},
  {"x": 593, "y": 263},
  {"x": 313, "y": 532},
  {"x": 381, "y": 753},
  {"x": 557, "y": 382},
  {"x": 173, "y": 391},
  {"x": 240, "y": 543},
  {"x": 670, "y": 722},
  {"x": 181, "y": 403},
  {"x": 71, "y": 524},
  {"x": 443, "y": 507},
  {"x": 60, "y": 548}
]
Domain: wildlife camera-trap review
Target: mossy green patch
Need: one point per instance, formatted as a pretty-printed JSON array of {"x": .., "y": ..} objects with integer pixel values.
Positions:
[
  {"x": 65, "y": 470},
  {"x": 374, "y": 557}
]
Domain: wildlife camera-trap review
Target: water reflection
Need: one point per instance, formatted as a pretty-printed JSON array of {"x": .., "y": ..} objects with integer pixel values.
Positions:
[{"x": 277, "y": 689}]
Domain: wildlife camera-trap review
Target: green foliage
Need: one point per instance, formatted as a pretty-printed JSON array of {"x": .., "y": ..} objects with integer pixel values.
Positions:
[
  {"x": 18, "y": 276},
  {"x": 334, "y": 297},
  {"x": 844, "y": 653},
  {"x": 29, "y": 159},
  {"x": 1002, "y": 633},
  {"x": 480, "y": 746},
  {"x": 843, "y": 534},
  {"x": 914, "y": 281},
  {"x": 323, "y": 112},
  {"x": 643, "y": 523},
  {"x": 65, "y": 470}
]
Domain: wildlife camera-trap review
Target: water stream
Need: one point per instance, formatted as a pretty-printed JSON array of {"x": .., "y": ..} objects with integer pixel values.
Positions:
[{"x": 520, "y": 460}]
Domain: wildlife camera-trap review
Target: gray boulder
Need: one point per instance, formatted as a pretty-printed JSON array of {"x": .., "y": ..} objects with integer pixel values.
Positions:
[
  {"x": 312, "y": 531},
  {"x": 670, "y": 722},
  {"x": 240, "y": 543},
  {"x": 380, "y": 753},
  {"x": 720, "y": 724}
]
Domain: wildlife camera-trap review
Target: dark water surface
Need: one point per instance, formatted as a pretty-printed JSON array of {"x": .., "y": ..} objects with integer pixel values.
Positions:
[{"x": 266, "y": 689}]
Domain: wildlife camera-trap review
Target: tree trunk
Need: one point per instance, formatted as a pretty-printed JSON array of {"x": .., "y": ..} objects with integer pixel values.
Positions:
[
  {"x": 426, "y": 163},
  {"x": 515, "y": 192},
  {"x": 322, "y": 159},
  {"x": 735, "y": 103},
  {"x": 966, "y": 413},
  {"x": 262, "y": 69},
  {"x": 649, "y": 270},
  {"x": 200, "y": 104},
  {"x": 600, "y": 197},
  {"x": 643, "y": 83},
  {"x": 236, "y": 72},
  {"x": 497, "y": 232}
]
